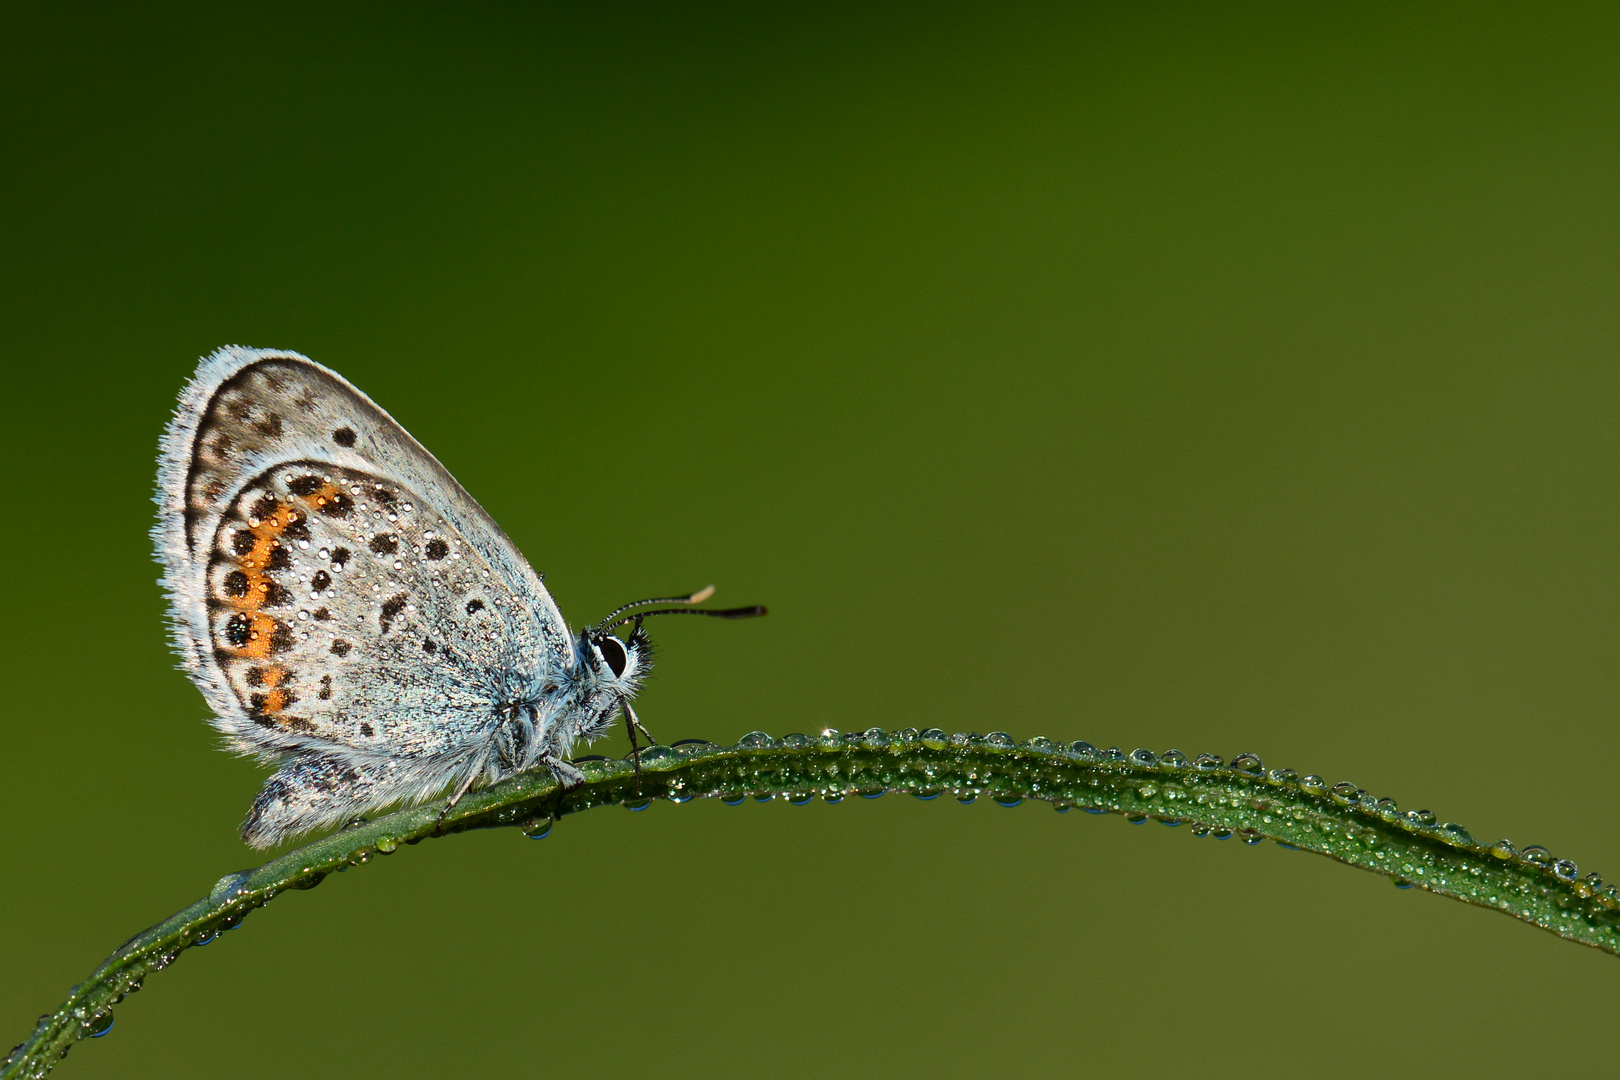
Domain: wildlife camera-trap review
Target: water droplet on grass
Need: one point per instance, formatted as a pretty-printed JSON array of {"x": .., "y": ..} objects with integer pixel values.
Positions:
[{"x": 1248, "y": 764}]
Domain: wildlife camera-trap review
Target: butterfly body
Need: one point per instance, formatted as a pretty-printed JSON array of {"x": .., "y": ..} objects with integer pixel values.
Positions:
[{"x": 350, "y": 612}]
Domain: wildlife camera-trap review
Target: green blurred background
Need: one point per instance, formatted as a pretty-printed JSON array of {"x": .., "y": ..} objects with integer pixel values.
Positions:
[{"x": 1224, "y": 378}]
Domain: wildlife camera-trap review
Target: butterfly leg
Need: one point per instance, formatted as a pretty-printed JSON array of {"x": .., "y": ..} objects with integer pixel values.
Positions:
[
  {"x": 632, "y": 724},
  {"x": 474, "y": 770}
]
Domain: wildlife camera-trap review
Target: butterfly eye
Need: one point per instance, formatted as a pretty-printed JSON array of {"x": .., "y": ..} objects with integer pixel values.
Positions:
[{"x": 613, "y": 653}]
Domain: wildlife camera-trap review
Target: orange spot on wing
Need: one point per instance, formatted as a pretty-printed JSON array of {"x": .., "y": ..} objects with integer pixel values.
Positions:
[
  {"x": 274, "y": 701},
  {"x": 259, "y": 632},
  {"x": 253, "y": 564},
  {"x": 323, "y": 495}
]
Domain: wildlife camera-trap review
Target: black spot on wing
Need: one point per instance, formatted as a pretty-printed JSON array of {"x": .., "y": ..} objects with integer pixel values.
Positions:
[
  {"x": 474, "y": 606},
  {"x": 436, "y": 549},
  {"x": 338, "y": 506},
  {"x": 384, "y": 544},
  {"x": 343, "y": 436},
  {"x": 305, "y": 485},
  {"x": 321, "y": 581},
  {"x": 264, "y": 507},
  {"x": 238, "y": 629},
  {"x": 341, "y": 647},
  {"x": 391, "y": 610}
]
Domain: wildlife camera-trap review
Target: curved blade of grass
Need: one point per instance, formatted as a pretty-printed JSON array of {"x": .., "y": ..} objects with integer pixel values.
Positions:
[{"x": 1239, "y": 798}]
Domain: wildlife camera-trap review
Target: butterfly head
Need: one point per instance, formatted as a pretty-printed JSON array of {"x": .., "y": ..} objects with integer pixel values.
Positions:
[{"x": 617, "y": 665}]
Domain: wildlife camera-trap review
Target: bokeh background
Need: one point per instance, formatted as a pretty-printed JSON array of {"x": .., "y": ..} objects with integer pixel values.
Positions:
[{"x": 1211, "y": 377}]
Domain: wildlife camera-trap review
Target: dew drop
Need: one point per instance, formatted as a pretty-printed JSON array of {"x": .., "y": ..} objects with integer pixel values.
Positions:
[
  {"x": 1144, "y": 757},
  {"x": 1136, "y": 819},
  {"x": 1312, "y": 784},
  {"x": 1009, "y": 801},
  {"x": 926, "y": 796},
  {"x": 99, "y": 1024},
  {"x": 538, "y": 829},
  {"x": 387, "y": 844},
  {"x": 1207, "y": 761},
  {"x": 1083, "y": 750},
  {"x": 1503, "y": 849},
  {"x": 637, "y": 804},
  {"x": 227, "y": 887},
  {"x": 1536, "y": 855},
  {"x": 1401, "y": 883},
  {"x": 1248, "y": 764},
  {"x": 999, "y": 739},
  {"x": 1173, "y": 759},
  {"x": 756, "y": 740},
  {"x": 734, "y": 800},
  {"x": 872, "y": 794}
]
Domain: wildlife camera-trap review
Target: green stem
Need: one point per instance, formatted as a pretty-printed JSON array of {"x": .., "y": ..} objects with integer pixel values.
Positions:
[{"x": 1214, "y": 798}]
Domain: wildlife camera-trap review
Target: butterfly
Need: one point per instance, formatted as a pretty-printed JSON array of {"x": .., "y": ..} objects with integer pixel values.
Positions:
[{"x": 353, "y": 616}]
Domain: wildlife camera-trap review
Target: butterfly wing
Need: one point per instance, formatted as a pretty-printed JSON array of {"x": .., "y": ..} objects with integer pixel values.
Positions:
[{"x": 334, "y": 590}]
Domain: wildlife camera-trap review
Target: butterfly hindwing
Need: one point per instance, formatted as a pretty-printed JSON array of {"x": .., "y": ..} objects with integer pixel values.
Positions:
[
  {"x": 343, "y": 609},
  {"x": 337, "y": 596}
]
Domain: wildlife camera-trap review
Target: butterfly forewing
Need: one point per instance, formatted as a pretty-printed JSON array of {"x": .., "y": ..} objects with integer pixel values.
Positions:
[{"x": 332, "y": 583}]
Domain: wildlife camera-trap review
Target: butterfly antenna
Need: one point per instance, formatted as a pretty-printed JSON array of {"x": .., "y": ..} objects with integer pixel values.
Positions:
[
  {"x": 727, "y": 613},
  {"x": 691, "y": 598}
]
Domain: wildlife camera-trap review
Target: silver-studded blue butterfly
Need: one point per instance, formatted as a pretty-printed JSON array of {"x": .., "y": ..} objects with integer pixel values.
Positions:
[{"x": 350, "y": 613}]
